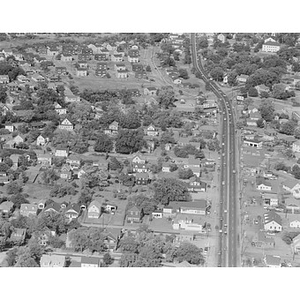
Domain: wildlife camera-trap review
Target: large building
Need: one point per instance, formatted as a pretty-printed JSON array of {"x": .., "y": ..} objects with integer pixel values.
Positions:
[{"x": 271, "y": 46}]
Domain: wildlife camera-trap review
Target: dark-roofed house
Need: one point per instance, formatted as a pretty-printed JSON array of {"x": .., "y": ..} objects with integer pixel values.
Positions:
[
  {"x": 196, "y": 185},
  {"x": 90, "y": 262},
  {"x": 261, "y": 240},
  {"x": 18, "y": 235},
  {"x": 6, "y": 206},
  {"x": 53, "y": 207},
  {"x": 72, "y": 211},
  {"x": 150, "y": 90},
  {"x": 28, "y": 209},
  {"x": 142, "y": 178},
  {"x": 196, "y": 207},
  {"x": 272, "y": 261},
  {"x": 272, "y": 221},
  {"x": 134, "y": 215},
  {"x": 293, "y": 186}
]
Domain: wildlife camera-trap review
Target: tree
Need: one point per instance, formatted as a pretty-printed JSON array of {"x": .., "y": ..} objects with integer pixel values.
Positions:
[
  {"x": 129, "y": 141},
  {"x": 49, "y": 176},
  {"x": 231, "y": 79},
  {"x": 281, "y": 166},
  {"x": 128, "y": 260},
  {"x": 114, "y": 164},
  {"x": 103, "y": 144},
  {"x": 267, "y": 110},
  {"x": 264, "y": 94},
  {"x": 169, "y": 189},
  {"x": 166, "y": 97},
  {"x": 183, "y": 73},
  {"x": 185, "y": 173},
  {"x": 167, "y": 137},
  {"x": 279, "y": 91},
  {"x": 288, "y": 127},
  {"x": 3, "y": 94},
  {"x": 190, "y": 253},
  {"x": 260, "y": 123},
  {"x": 148, "y": 68},
  {"x": 296, "y": 171},
  {"x": 107, "y": 259},
  {"x": 129, "y": 245},
  {"x": 217, "y": 74},
  {"x": 13, "y": 188},
  {"x": 252, "y": 92}
]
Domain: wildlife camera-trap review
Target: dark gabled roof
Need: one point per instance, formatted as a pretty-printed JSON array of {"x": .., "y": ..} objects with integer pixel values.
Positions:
[
  {"x": 53, "y": 205},
  {"x": 272, "y": 216},
  {"x": 90, "y": 260}
]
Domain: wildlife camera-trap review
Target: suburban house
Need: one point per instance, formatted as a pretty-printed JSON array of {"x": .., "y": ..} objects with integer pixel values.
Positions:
[
  {"x": 151, "y": 130},
  {"x": 44, "y": 158},
  {"x": 137, "y": 67},
  {"x": 65, "y": 172},
  {"x": 253, "y": 143},
  {"x": 271, "y": 46},
  {"x": 66, "y": 125},
  {"x": 134, "y": 215},
  {"x": 120, "y": 67},
  {"x": 272, "y": 221},
  {"x": 270, "y": 199},
  {"x": 72, "y": 211},
  {"x": 66, "y": 57},
  {"x": 53, "y": 207},
  {"x": 59, "y": 109},
  {"x": 52, "y": 261},
  {"x": 82, "y": 64},
  {"x": 70, "y": 97},
  {"x": 294, "y": 223},
  {"x": 242, "y": 78},
  {"x": 133, "y": 56},
  {"x": 296, "y": 244},
  {"x": 41, "y": 141},
  {"x": 4, "y": 79},
  {"x": 88, "y": 262},
  {"x": 81, "y": 72},
  {"x": 221, "y": 37},
  {"x": 61, "y": 152},
  {"x": 74, "y": 161},
  {"x": 139, "y": 168},
  {"x": 293, "y": 186},
  {"x": 166, "y": 168},
  {"x": 195, "y": 207},
  {"x": 296, "y": 146},
  {"x": 262, "y": 184},
  {"x": 122, "y": 74},
  {"x": 138, "y": 160},
  {"x": 113, "y": 128},
  {"x": 261, "y": 240},
  {"x": 272, "y": 261},
  {"x": 28, "y": 209},
  {"x": 94, "y": 210},
  {"x": 187, "y": 222},
  {"x": 150, "y": 90},
  {"x": 18, "y": 235},
  {"x": 116, "y": 57},
  {"x": 196, "y": 185},
  {"x": 60, "y": 70},
  {"x": 9, "y": 127},
  {"x": 142, "y": 178},
  {"x": 6, "y": 206}
]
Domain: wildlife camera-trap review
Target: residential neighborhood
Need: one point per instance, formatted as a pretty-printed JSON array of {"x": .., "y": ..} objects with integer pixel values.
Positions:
[{"x": 112, "y": 149}]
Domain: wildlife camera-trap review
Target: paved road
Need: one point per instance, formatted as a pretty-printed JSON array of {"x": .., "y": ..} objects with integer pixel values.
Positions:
[{"x": 228, "y": 240}]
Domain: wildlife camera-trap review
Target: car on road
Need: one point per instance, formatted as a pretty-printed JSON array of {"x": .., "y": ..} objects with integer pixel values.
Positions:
[
  {"x": 234, "y": 171},
  {"x": 223, "y": 154},
  {"x": 225, "y": 225},
  {"x": 225, "y": 231},
  {"x": 152, "y": 79},
  {"x": 225, "y": 211},
  {"x": 220, "y": 230},
  {"x": 223, "y": 182}
]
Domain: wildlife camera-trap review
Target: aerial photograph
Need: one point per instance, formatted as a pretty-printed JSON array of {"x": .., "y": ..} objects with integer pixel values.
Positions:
[{"x": 168, "y": 149}]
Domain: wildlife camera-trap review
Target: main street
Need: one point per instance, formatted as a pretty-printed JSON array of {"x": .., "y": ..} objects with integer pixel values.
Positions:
[{"x": 228, "y": 224}]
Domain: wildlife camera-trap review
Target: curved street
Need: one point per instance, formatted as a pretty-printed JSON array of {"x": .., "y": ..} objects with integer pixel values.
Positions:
[{"x": 228, "y": 255}]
